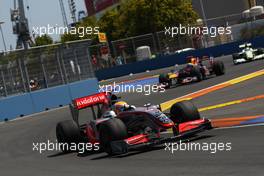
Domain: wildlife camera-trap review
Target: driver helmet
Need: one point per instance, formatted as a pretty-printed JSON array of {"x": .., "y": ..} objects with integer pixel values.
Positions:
[
  {"x": 120, "y": 106},
  {"x": 109, "y": 114},
  {"x": 193, "y": 61}
]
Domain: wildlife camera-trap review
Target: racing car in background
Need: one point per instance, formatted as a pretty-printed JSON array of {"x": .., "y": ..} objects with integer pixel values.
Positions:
[
  {"x": 247, "y": 54},
  {"x": 131, "y": 128},
  {"x": 196, "y": 70}
]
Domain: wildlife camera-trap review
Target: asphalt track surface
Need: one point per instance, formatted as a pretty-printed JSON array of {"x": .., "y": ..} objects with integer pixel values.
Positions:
[{"x": 245, "y": 157}]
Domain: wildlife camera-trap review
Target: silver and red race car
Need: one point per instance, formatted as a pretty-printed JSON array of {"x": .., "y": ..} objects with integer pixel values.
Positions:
[{"x": 130, "y": 128}]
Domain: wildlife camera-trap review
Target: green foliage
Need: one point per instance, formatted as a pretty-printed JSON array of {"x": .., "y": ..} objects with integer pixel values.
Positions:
[
  {"x": 89, "y": 22},
  {"x": 43, "y": 40},
  {"x": 69, "y": 37},
  {"x": 109, "y": 24},
  {"x": 140, "y": 17},
  {"x": 145, "y": 16}
]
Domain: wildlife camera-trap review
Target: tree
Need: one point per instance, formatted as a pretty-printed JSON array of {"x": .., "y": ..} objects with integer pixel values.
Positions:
[
  {"x": 139, "y": 17},
  {"x": 78, "y": 32},
  {"x": 43, "y": 40},
  {"x": 146, "y": 16},
  {"x": 109, "y": 24}
]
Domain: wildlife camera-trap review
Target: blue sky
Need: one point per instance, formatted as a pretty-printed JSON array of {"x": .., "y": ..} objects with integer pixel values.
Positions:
[{"x": 40, "y": 13}]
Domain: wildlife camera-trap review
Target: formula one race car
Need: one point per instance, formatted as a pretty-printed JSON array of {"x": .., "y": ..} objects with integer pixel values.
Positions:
[
  {"x": 131, "y": 128},
  {"x": 248, "y": 54},
  {"x": 196, "y": 70}
]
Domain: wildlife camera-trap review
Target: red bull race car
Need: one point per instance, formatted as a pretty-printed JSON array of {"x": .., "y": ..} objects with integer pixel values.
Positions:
[
  {"x": 196, "y": 70},
  {"x": 119, "y": 127}
]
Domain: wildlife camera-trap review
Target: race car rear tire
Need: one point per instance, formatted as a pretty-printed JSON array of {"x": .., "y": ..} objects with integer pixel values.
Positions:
[
  {"x": 184, "y": 111},
  {"x": 67, "y": 132},
  {"x": 111, "y": 130},
  {"x": 219, "y": 68}
]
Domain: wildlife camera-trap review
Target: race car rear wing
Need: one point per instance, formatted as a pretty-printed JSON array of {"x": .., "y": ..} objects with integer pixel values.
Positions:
[
  {"x": 83, "y": 102},
  {"x": 88, "y": 101},
  {"x": 96, "y": 102},
  {"x": 245, "y": 45}
]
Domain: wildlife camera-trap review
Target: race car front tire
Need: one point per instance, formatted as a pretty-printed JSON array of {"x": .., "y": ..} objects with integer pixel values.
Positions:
[
  {"x": 197, "y": 73},
  {"x": 67, "y": 132},
  {"x": 184, "y": 111},
  {"x": 109, "y": 131},
  {"x": 219, "y": 68},
  {"x": 164, "y": 79}
]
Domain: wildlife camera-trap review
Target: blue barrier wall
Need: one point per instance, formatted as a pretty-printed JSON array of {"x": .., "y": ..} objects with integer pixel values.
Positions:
[
  {"x": 15, "y": 106},
  {"x": 170, "y": 60},
  {"x": 83, "y": 88},
  {"x": 50, "y": 98},
  {"x": 41, "y": 100}
]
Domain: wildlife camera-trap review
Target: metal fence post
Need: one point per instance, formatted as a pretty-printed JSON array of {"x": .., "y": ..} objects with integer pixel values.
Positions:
[
  {"x": 22, "y": 75},
  {"x": 63, "y": 67},
  {"x": 9, "y": 70},
  {"x": 76, "y": 63},
  {"x": 89, "y": 62},
  {"x": 114, "y": 49},
  {"x": 154, "y": 42},
  {"x": 44, "y": 72},
  {"x": 4, "y": 83},
  {"x": 159, "y": 43},
  {"x": 27, "y": 76},
  {"x": 59, "y": 65},
  {"x": 134, "y": 46}
]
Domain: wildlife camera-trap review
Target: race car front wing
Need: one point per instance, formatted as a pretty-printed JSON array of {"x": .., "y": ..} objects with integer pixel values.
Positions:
[{"x": 123, "y": 146}]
